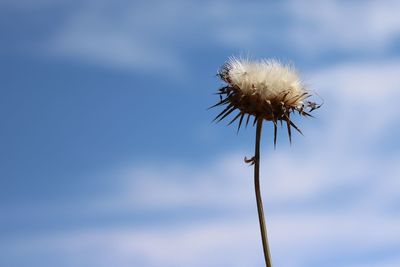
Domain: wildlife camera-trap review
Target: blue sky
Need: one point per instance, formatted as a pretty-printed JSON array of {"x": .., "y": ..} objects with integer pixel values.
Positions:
[{"x": 109, "y": 157}]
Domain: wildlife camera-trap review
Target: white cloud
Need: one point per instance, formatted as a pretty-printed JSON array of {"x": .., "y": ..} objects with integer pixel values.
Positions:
[
  {"x": 388, "y": 263},
  {"x": 152, "y": 37},
  {"x": 362, "y": 100},
  {"x": 126, "y": 36},
  {"x": 296, "y": 240},
  {"x": 346, "y": 26}
]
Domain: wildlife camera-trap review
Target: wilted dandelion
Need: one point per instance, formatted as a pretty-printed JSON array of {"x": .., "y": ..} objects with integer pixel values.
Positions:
[{"x": 267, "y": 90}]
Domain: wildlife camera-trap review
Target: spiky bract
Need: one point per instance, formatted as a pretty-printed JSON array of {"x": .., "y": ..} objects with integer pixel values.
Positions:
[{"x": 265, "y": 89}]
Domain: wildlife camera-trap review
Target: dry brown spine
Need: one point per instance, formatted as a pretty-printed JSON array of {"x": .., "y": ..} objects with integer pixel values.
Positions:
[{"x": 276, "y": 109}]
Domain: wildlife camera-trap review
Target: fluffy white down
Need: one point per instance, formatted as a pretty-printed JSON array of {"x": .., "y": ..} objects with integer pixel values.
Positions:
[{"x": 269, "y": 78}]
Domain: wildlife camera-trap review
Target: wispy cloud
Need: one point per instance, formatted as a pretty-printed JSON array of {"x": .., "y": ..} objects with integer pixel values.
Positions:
[
  {"x": 122, "y": 36},
  {"x": 344, "y": 26},
  {"x": 154, "y": 37}
]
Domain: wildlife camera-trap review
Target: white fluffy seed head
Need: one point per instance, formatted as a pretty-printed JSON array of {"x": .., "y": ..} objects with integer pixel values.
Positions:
[
  {"x": 269, "y": 79},
  {"x": 265, "y": 89}
]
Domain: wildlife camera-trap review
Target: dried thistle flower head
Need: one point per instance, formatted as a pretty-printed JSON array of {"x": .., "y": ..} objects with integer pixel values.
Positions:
[{"x": 265, "y": 89}]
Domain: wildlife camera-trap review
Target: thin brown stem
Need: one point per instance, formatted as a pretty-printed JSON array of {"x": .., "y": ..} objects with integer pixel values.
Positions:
[{"x": 260, "y": 209}]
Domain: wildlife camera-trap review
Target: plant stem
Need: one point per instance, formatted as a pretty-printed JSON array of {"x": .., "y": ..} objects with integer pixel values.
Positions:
[{"x": 263, "y": 229}]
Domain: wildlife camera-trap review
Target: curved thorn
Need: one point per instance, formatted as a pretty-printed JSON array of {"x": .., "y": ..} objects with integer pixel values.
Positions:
[
  {"x": 307, "y": 114},
  {"x": 289, "y": 130},
  {"x": 285, "y": 95},
  {"x": 240, "y": 123},
  {"x": 298, "y": 97},
  {"x": 226, "y": 114},
  {"x": 235, "y": 118},
  {"x": 275, "y": 133},
  {"x": 297, "y": 129},
  {"x": 247, "y": 120},
  {"x": 225, "y": 110},
  {"x": 292, "y": 124},
  {"x": 221, "y": 102},
  {"x": 251, "y": 160},
  {"x": 255, "y": 120}
]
